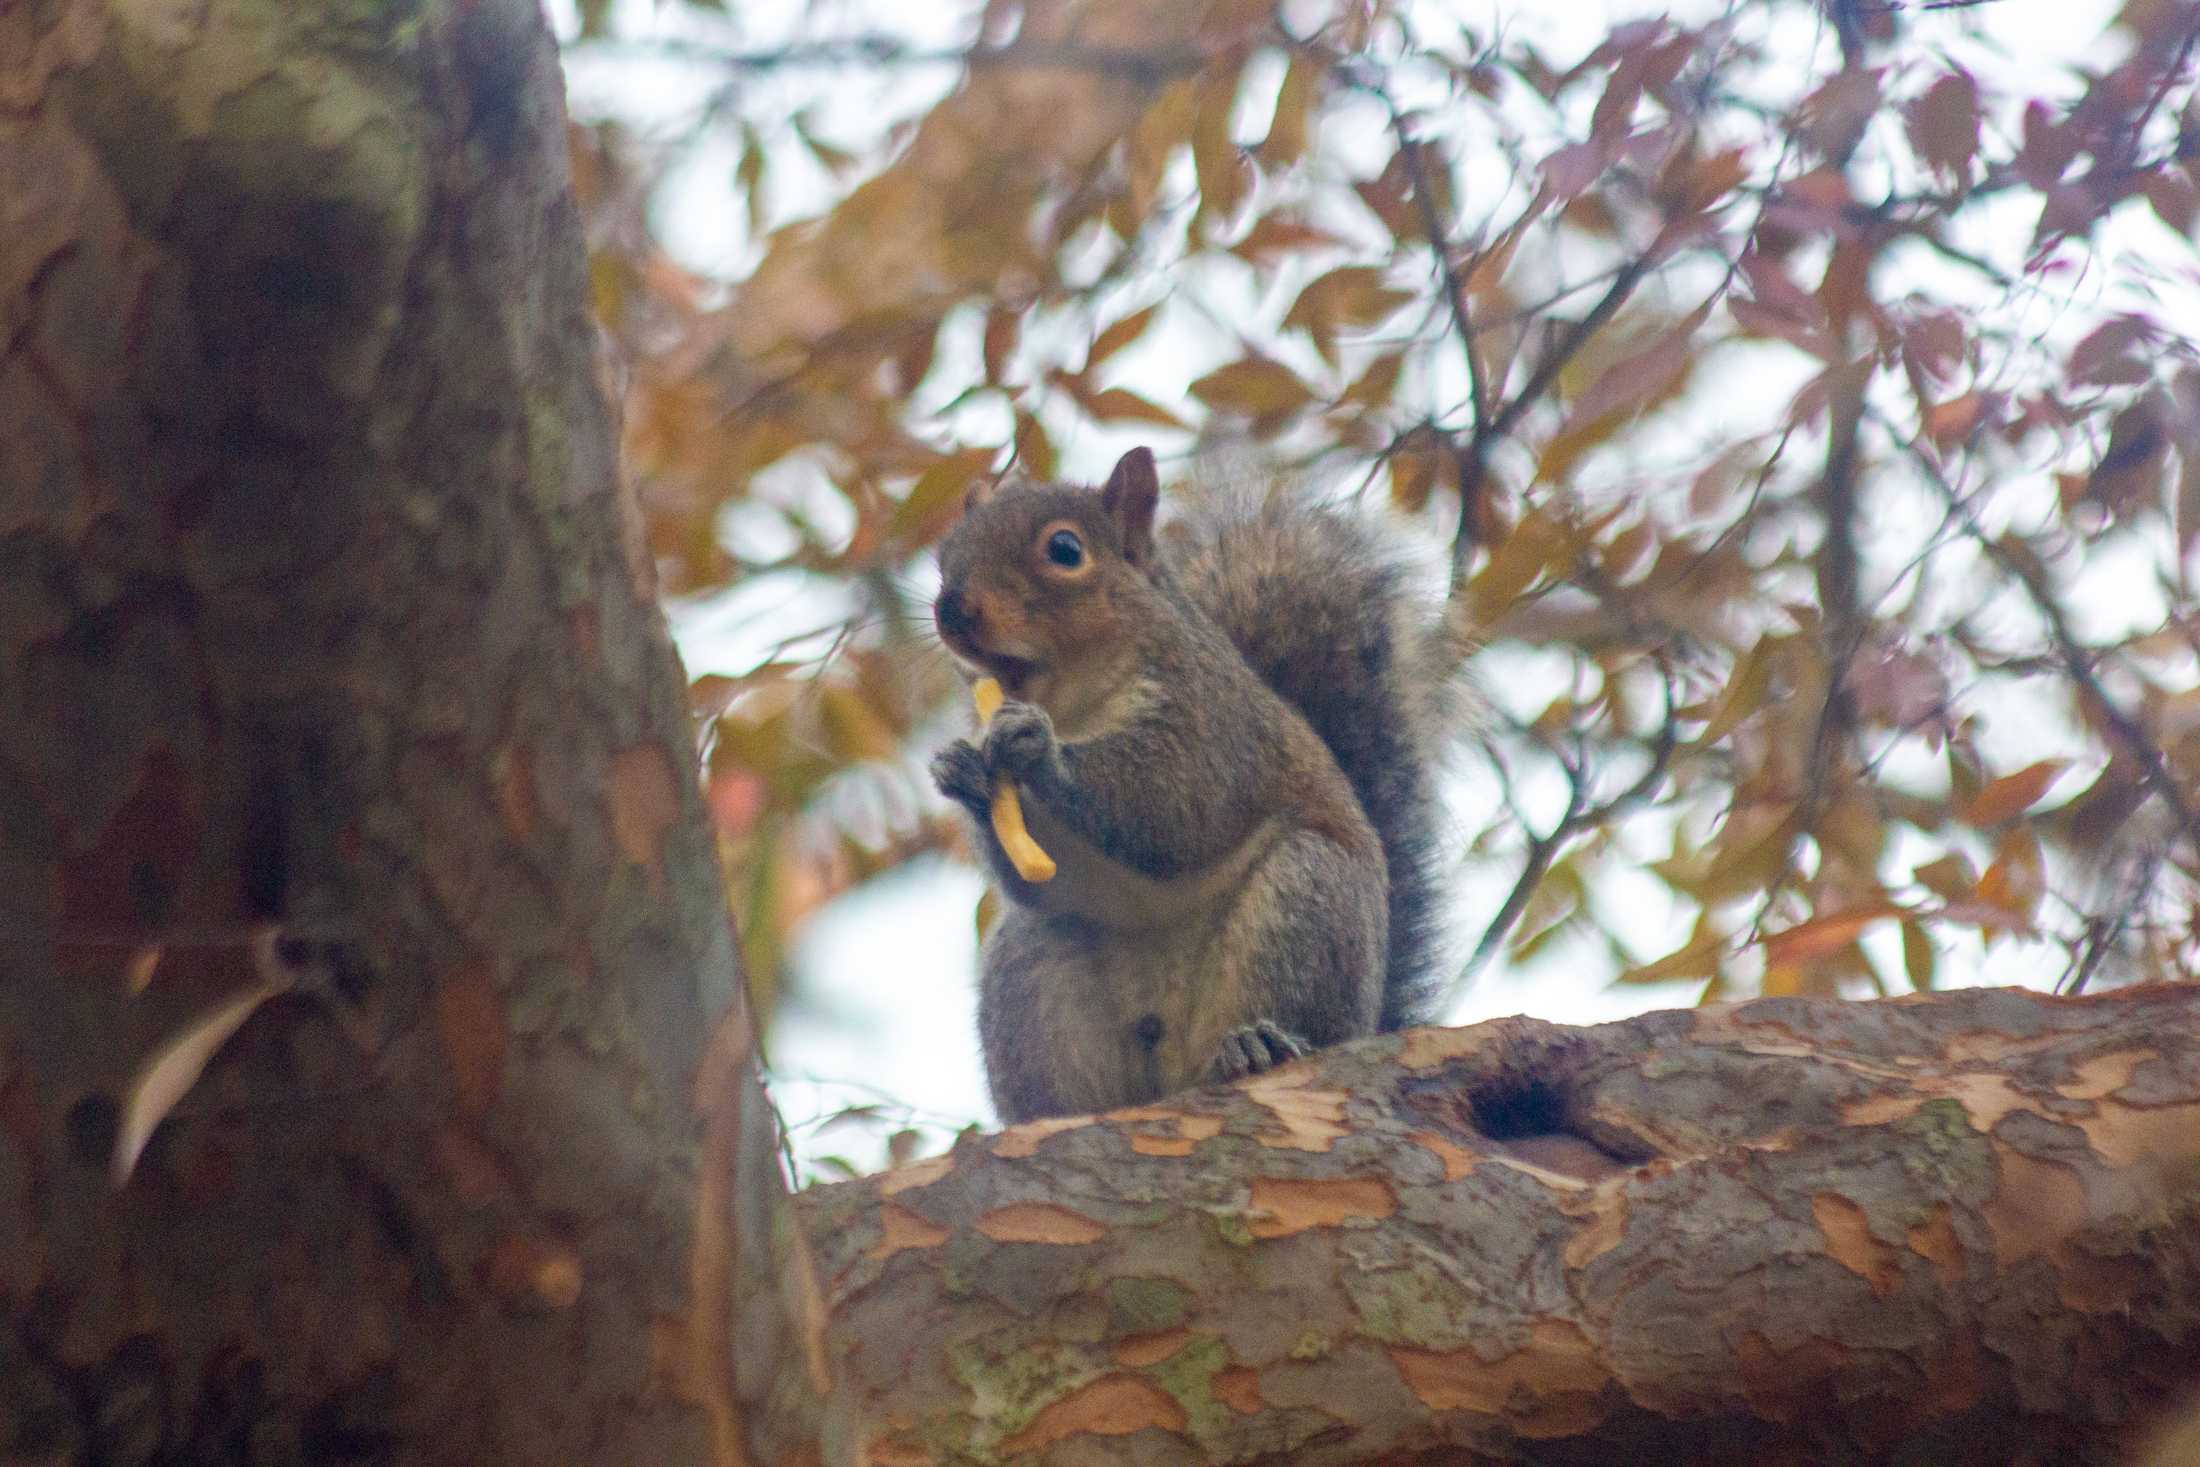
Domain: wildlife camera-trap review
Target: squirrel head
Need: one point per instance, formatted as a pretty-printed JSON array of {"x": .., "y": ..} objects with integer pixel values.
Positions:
[{"x": 1036, "y": 579}]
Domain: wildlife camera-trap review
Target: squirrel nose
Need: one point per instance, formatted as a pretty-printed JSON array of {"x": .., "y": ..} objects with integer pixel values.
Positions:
[{"x": 955, "y": 613}]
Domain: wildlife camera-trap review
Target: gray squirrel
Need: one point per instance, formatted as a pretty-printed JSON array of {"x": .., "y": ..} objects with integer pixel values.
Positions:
[{"x": 1226, "y": 736}]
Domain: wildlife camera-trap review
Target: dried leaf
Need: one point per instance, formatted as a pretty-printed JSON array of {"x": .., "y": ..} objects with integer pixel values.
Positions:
[
  {"x": 1291, "y": 127},
  {"x": 1119, "y": 335},
  {"x": 1951, "y": 878},
  {"x": 171, "y": 1070},
  {"x": 1944, "y": 125},
  {"x": 1699, "y": 958},
  {"x": 1273, "y": 235},
  {"x": 1351, "y": 295},
  {"x": 2130, "y": 470},
  {"x": 935, "y": 499},
  {"x": 1254, "y": 386},
  {"x": 2017, "y": 879},
  {"x": 1746, "y": 690},
  {"x": 2004, "y": 799},
  {"x": 1034, "y": 449},
  {"x": 1120, "y": 405},
  {"x": 1919, "y": 960},
  {"x": 1824, "y": 934}
]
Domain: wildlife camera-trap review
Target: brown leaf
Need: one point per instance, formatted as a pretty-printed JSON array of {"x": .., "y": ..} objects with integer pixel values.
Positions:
[
  {"x": 935, "y": 499},
  {"x": 2017, "y": 879},
  {"x": 2105, "y": 354},
  {"x": 1944, "y": 125},
  {"x": 1291, "y": 127},
  {"x": 1918, "y": 957},
  {"x": 1034, "y": 449},
  {"x": 1351, "y": 295},
  {"x": 1699, "y": 958},
  {"x": 1825, "y": 934},
  {"x": 1120, "y": 405},
  {"x": 1002, "y": 327},
  {"x": 1950, "y": 878},
  {"x": 1119, "y": 335},
  {"x": 1746, "y": 690},
  {"x": 1640, "y": 378},
  {"x": 2130, "y": 470},
  {"x": 1948, "y": 423},
  {"x": 2004, "y": 799},
  {"x": 1273, "y": 235},
  {"x": 1573, "y": 168},
  {"x": 1255, "y": 387},
  {"x": 1225, "y": 174}
]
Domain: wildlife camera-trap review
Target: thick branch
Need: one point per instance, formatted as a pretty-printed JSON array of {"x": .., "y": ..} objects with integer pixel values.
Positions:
[{"x": 1788, "y": 1230}]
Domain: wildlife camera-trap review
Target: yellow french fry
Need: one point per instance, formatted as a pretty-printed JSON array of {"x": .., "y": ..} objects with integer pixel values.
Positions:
[{"x": 1031, "y": 863}]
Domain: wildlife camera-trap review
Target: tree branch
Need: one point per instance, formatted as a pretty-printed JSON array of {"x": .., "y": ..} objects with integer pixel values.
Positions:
[{"x": 1786, "y": 1230}]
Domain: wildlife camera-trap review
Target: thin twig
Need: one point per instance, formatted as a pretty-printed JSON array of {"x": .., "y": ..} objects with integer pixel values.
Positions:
[
  {"x": 2076, "y": 665},
  {"x": 1544, "y": 850}
]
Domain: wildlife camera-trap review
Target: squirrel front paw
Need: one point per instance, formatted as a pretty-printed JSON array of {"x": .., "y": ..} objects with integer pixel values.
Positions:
[
  {"x": 959, "y": 772},
  {"x": 1020, "y": 740},
  {"x": 1253, "y": 1049}
]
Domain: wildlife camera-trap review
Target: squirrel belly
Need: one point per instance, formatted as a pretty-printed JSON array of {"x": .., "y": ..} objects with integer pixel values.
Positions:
[{"x": 1224, "y": 889}]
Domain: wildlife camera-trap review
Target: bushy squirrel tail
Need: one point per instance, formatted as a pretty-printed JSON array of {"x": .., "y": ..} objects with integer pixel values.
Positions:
[{"x": 1331, "y": 612}]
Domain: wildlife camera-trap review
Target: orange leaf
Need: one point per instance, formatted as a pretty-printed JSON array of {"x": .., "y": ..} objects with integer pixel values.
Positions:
[
  {"x": 1119, "y": 405},
  {"x": 1949, "y": 878},
  {"x": 1822, "y": 935},
  {"x": 1119, "y": 335},
  {"x": 2003, "y": 799},
  {"x": 2017, "y": 879},
  {"x": 1255, "y": 386},
  {"x": 1276, "y": 234}
]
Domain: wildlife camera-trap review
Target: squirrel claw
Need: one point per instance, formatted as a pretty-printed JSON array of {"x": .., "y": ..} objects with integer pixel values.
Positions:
[
  {"x": 1254, "y": 1049},
  {"x": 1019, "y": 739},
  {"x": 959, "y": 772}
]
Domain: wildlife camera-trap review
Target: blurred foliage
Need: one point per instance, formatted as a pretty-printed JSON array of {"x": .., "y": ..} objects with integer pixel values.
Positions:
[{"x": 1802, "y": 389}]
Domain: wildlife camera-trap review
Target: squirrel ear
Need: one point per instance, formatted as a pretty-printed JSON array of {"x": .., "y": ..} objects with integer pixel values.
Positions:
[
  {"x": 1129, "y": 498},
  {"x": 978, "y": 493}
]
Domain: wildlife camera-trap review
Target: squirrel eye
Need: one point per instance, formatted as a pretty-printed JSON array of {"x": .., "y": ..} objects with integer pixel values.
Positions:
[{"x": 1065, "y": 549}]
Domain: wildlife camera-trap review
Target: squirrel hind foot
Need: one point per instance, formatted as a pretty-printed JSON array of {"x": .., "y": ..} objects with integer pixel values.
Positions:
[{"x": 1254, "y": 1049}]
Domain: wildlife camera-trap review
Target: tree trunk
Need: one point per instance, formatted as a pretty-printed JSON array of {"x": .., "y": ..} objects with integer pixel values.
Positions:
[
  {"x": 1953, "y": 1229},
  {"x": 319, "y": 607}
]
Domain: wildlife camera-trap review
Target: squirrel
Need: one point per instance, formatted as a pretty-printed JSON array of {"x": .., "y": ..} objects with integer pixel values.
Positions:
[{"x": 1225, "y": 735}]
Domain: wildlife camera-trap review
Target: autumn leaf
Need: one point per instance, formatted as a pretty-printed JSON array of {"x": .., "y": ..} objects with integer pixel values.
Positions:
[
  {"x": 1824, "y": 934},
  {"x": 1275, "y": 235},
  {"x": 2017, "y": 879},
  {"x": 1919, "y": 961},
  {"x": 1255, "y": 387},
  {"x": 1291, "y": 127},
  {"x": 2002, "y": 800},
  {"x": 1120, "y": 334},
  {"x": 1351, "y": 295},
  {"x": 1944, "y": 125},
  {"x": 934, "y": 500},
  {"x": 2130, "y": 469},
  {"x": 1698, "y": 958},
  {"x": 1121, "y": 405}
]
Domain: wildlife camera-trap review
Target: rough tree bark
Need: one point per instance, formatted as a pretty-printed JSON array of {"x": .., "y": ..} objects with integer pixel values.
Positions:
[
  {"x": 320, "y": 613},
  {"x": 317, "y": 605},
  {"x": 1954, "y": 1229}
]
